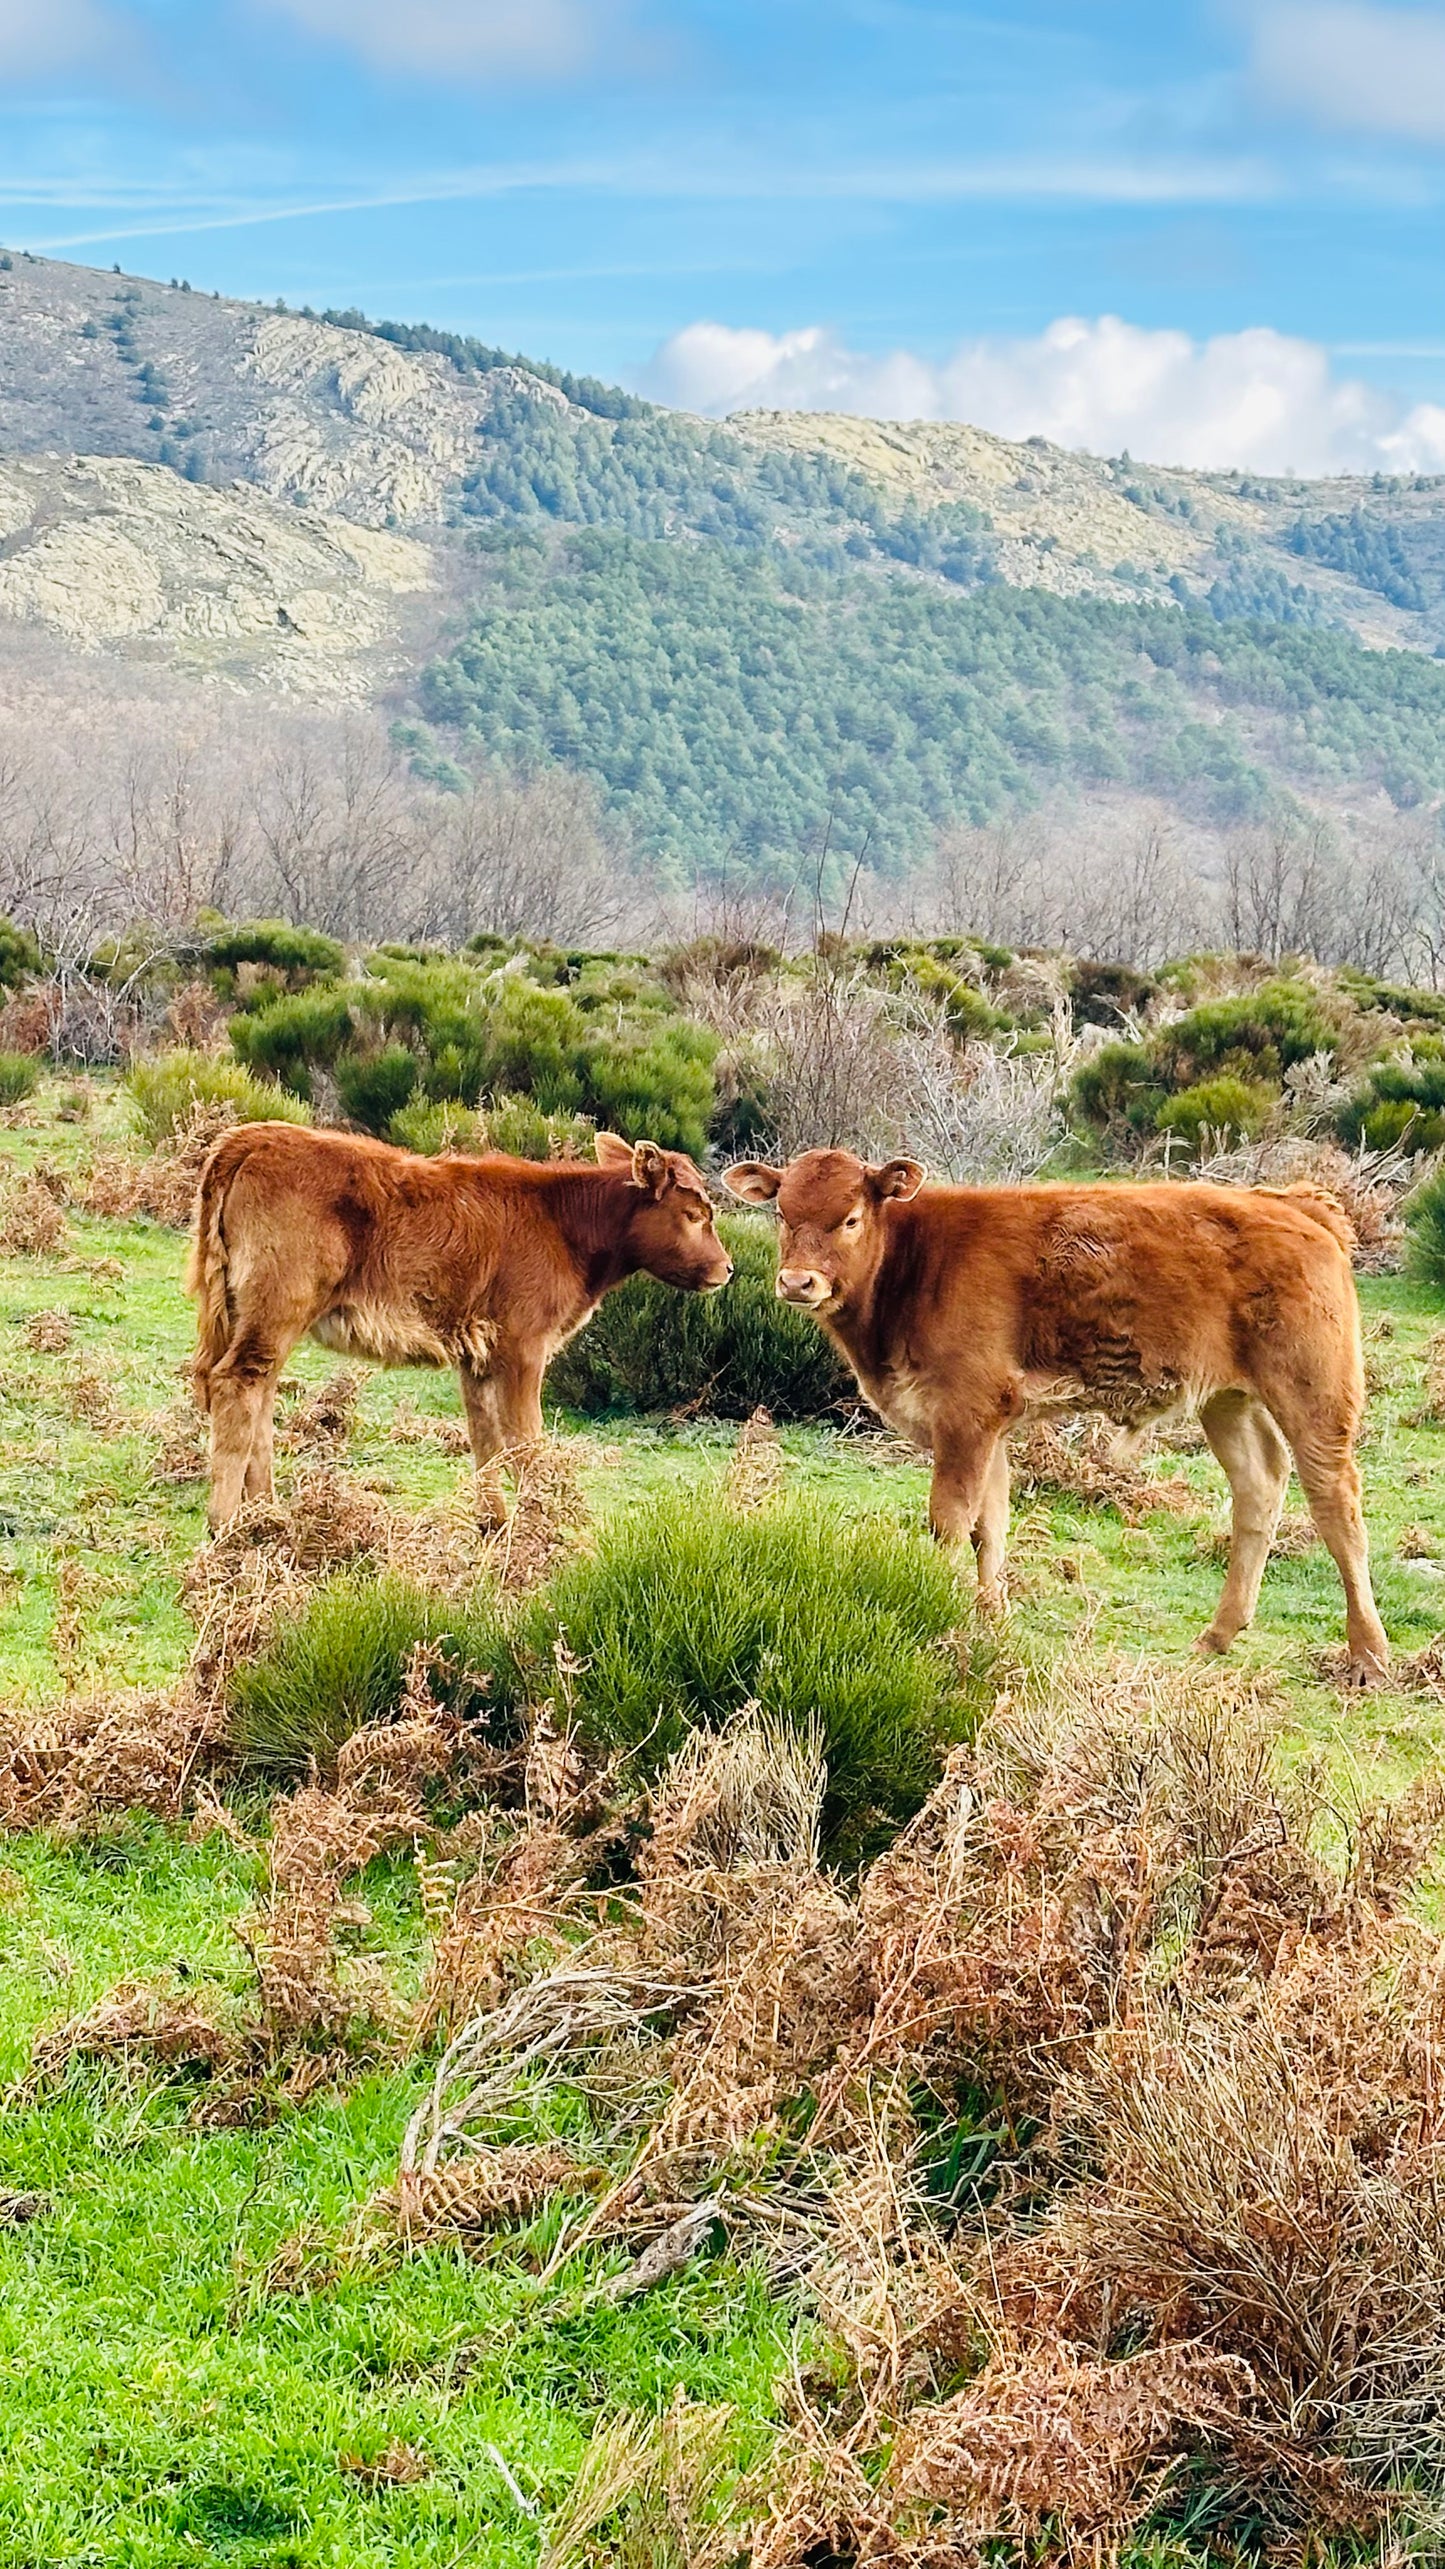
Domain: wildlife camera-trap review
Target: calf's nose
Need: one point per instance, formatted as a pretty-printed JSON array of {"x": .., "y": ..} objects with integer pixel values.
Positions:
[{"x": 800, "y": 1284}]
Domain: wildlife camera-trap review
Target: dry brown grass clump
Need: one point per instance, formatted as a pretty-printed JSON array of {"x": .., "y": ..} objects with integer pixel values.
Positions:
[
  {"x": 182, "y": 1444},
  {"x": 1085, "y": 1458},
  {"x": 32, "y": 1216},
  {"x": 410, "y": 1427},
  {"x": 1199, "y": 2215},
  {"x": 151, "y": 2021},
  {"x": 306, "y": 1988},
  {"x": 755, "y": 1473},
  {"x": 49, "y": 1333},
  {"x": 322, "y": 1422},
  {"x": 117, "y": 1187}
]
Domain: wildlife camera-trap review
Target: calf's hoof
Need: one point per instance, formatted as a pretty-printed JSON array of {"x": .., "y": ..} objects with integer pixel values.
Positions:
[{"x": 1367, "y": 1668}]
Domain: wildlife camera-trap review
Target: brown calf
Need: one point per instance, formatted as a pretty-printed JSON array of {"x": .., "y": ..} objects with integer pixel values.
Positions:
[
  {"x": 961, "y": 1309},
  {"x": 485, "y": 1264}
]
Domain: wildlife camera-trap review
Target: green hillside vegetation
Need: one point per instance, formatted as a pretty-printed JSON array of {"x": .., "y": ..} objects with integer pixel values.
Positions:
[{"x": 747, "y": 705}]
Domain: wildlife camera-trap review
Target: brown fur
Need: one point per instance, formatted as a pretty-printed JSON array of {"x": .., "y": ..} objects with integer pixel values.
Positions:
[
  {"x": 485, "y": 1264},
  {"x": 964, "y": 1309}
]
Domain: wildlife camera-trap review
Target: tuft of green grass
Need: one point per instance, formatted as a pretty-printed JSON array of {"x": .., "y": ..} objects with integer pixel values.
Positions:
[
  {"x": 650, "y": 1349},
  {"x": 340, "y": 1661},
  {"x": 166, "y": 1087},
  {"x": 689, "y": 1608},
  {"x": 19, "y": 1078}
]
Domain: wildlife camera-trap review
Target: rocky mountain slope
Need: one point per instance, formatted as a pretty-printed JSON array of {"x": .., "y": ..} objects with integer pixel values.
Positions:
[
  {"x": 224, "y": 583},
  {"x": 755, "y": 636}
]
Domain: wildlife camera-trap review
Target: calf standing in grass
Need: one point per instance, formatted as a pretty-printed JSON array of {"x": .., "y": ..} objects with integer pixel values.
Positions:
[
  {"x": 963, "y": 1309},
  {"x": 485, "y": 1264}
]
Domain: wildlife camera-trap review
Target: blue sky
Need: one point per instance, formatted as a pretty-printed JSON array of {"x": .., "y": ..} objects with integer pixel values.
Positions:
[{"x": 851, "y": 203}]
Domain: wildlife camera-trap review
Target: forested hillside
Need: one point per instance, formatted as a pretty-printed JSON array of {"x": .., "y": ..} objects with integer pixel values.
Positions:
[{"x": 758, "y": 640}]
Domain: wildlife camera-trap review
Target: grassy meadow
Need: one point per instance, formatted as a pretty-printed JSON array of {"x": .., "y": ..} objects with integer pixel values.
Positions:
[{"x": 179, "y": 2380}]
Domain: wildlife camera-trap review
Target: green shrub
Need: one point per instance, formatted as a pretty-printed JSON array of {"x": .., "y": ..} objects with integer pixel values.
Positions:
[
  {"x": 1248, "y": 1042},
  {"x": 518, "y": 1126},
  {"x": 292, "y": 1035},
  {"x": 19, "y": 955},
  {"x": 340, "y": 1661},
  {"x": 1119, "y": 1086},
  {"x": 428, "y": 1126},
  {"x": 295, "y": 956},
  {"x": 165, "y": 1088},
  {"x": 1399, "y": 1101},
  {"x": 658, "y": 1087},
  {"x": 1259, "y": 1035},
  {"x": 1240, "y": 1107},
  {"x": 1425, "y": 1221},
  {"x": 19, "y": 1077},
  {"x": 650, "y": 1348},
  {"x": 373, "y": 1087},
  {"x": 1100, "y": 993},
  {"x": 967, "y": 1013},
  {"x": 689, "y": 1608}
]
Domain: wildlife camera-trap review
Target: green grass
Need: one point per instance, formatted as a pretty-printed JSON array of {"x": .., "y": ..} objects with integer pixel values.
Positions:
[
  {"x": 158, "y": 2406},
  {"x": 341, "y": 1661}
]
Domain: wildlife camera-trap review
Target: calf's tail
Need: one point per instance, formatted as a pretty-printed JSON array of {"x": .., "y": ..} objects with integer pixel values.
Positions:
[{"x": 206, "y": 1276}]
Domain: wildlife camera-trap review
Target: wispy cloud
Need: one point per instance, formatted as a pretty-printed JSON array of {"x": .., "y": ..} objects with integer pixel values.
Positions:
[
  {"x": 1349, "y": 64},
  {"x": 59, "y": 35},
  {"x": 470, "y": 39},
  {"x": 1248, "y": 397},
  {"x": 138, "y": 209}
]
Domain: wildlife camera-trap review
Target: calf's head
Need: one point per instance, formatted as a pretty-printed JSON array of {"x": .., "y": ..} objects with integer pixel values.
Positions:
[
  {"x": 831, "y": 1221},
  {"x": 670, "y": 1227}
]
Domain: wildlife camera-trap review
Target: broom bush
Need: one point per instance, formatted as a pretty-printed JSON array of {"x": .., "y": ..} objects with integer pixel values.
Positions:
[
  {"x": 650, "y": 1348},
  {"x": 689, "y": 1608},
  {"x": 19, "y": 1077},
  {"x": 164, "y": 1089},
  {"x": 1425, "y": 1221}
]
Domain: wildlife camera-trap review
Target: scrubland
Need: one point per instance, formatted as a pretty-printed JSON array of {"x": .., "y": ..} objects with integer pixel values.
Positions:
[{"x": 527, "y": 2130}]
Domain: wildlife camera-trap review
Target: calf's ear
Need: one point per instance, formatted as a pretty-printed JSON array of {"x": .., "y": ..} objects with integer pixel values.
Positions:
[
  {"x": 612, "y": 1151},
  {"x": 650, "y": 1168},
  {"x": 900, "y": 1178},
  {"x": 752, "y": 1181}
]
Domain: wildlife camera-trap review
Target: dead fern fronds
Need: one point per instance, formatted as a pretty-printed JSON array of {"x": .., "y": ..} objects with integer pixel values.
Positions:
[
  {"x": 150, "y": 2021},
  {"x": 508, "y": 2184},
  {"x": 1090, "y": 1460},
  {"x": 61, "y": 1765},
  {"x": 549, "y": 1513},
  {"x": 1053, "y": 2435}
]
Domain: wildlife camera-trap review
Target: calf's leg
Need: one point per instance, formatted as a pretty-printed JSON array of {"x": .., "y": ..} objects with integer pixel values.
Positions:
[
  {"x": 504, "y": 1415},
  {"x": 1255, "y": 1458},
  {"x": 1330, "y": 1478},
  {"x": 242, "y": 1399},
  {"x": 969, "y": 1500}
]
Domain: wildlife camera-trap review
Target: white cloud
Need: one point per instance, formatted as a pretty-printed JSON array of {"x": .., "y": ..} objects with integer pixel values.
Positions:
[
  {"x": 466, "y": 38},
  {"x": 1252, "y": 397},
  {"x": 56, "y": 37},
  {"x": 1375, "y": 70}
]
